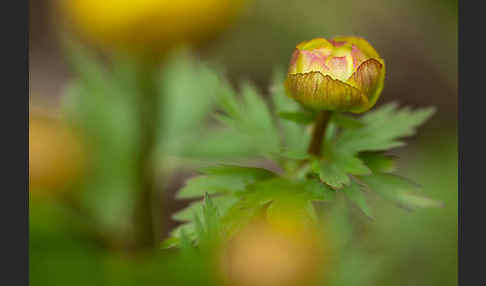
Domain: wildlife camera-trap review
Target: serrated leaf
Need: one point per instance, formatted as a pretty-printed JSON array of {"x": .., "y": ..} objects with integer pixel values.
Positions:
[
  {"x": 185, "y": 243},
  {"x": 350, "y": 164},
  {"x": 282, "y": 102},
  {"x": 383, "y": 128},
  {"x": 281, "y": 195},
  {"x": 196, "y": 208},
  {"x": 399, "y": 190},
  {"x": 103, "y": 105},
  {"x": 346, "y": 121},
  {"x": 189, "y": 228},
  {"x": 301, "y": 117},
  {"x": 198, "y": 226},
  {"x": 295, "y": 155},
  {"x": 354, "y": 193},
  {"x": 228, "y": 101},
  {"x": 250, "y": 119},
  {"x": 330, "y": 174},
  {"x": 294, "y": 137},
  {"x": 201, "y": 219},
  {"x": 220, "y": 144},
  {"x": 187, "y": 95},
  {"x": 170, "y": 242},
  {"x": 211, "y": 211},
  {"x": 336, "y": 165},
  {"x": 196, "y": 187},
  {"x": 230, "y": 179},
  {"x": 378, "y": 162},
  {"x": 250, "y": 173},
  {"x": 318, "y": 191},
  {"x": 223, "y": 179}
]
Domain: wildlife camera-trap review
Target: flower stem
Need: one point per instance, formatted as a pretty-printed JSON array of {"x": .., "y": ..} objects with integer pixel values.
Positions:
[
  {"x": 318, "y": 132},
  {"x": 145, "y": 237}
]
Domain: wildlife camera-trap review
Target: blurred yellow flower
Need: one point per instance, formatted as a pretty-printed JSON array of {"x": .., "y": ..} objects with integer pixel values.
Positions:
[
  {"x": 265, "y": 253},
  {"x": 149, "y": 26},
  {"x": 55, "y": 155},
  {"x": 343, "y": 74}
]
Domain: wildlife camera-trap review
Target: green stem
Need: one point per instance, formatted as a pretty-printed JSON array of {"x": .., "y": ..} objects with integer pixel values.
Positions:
[
  {"x": 318, "y": 132},
  {"x": 145, "y": 237}
]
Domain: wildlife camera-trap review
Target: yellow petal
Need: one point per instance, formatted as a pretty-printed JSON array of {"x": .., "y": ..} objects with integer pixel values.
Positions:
[
  {"x": 321, "y": 92},
  {"x": 151, "y": 26},
  {"x": 317, "y": 43},
  {"x": 361, "y": 43}
]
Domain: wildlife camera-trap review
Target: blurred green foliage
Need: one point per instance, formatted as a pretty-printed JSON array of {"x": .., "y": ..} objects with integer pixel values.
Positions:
[{"x": 70, "y": 244}]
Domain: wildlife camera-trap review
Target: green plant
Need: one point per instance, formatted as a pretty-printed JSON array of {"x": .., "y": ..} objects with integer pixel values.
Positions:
[
  {"x": 353, "y": 162},
  {"x": 141, "y": 123}
]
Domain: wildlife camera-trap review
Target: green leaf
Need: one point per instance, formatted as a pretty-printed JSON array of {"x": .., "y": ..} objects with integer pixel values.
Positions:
[
  {"x": 330, "y": 174},
  {"x": 220, "y": 144},
  {"x": 190, "y": 90},
  {"x": 283, "y": 103},
  {"x": 354, "y": 193},
  {"x": 185, "y": 243},
  {"x": 399, "y": 190},
  {"x": 378, "y": 162},
  {"x": 379, "y": 130},
  {"x": 212, "y": 216},
  {"x": 295, "y": 155},
  {"x": 188, "y": 228},
  {"x": 223, "y": 179},
  {"x": 228, "y": 101},
  {"x": 86, "y": 64},
  {"x": 334, "y": 168},
  {"x": 227, "y": 180},
  {"x": 103, "y": 105},
  {"x": 383, "y": 128},
  {"x": 301, "y": 117},
  {"x": 187, "y": 95},
  {"x": 350, "y": 164},
  {"x": 250, "y": 119},
  {"x": 196, "y": 208},
  {"x": 281, "y": 195},
  {"x": 294, "y": 138},
  {"x": 170, "y": 242},
  {"x": 209, "y": 210},
  {"x": 346, "y": 121}
]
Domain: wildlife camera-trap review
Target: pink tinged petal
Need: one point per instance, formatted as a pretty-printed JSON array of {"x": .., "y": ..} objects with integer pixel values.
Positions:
[
  {"x": 293, "y": 61},
  {"x": 337, "y": 44},
  {"x": 358, "y": 56},
  {"x": 323, "y": 52},
  {"x": 321, "y": 92},
  {"x": 340, "y": 68},
  {"x": 363, "y": 45},
  {"x": 317, "y": 43},
  {"x": 312, "y": 61}
]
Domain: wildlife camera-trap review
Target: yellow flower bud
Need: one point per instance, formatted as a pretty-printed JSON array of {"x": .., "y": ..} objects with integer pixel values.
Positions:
[
  {"x": 149, "y": 26},
  {"x": 55, "y": 155},
  {"x": 343, "y": 74}
]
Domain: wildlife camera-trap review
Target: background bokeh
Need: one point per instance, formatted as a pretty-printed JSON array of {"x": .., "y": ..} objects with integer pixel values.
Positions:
[{"x": 417, "y": 39}]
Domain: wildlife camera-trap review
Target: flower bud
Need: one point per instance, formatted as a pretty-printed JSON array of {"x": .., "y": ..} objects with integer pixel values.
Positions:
[
  {"x": 265, "y": 253},
  {"x": 148, "y": 26},
  {"x": 343, "y": 74}
]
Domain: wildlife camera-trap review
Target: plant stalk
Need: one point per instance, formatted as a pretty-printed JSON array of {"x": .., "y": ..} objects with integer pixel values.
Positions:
[
  {"x": 318, "y": 132},
  {"x": 145, "y": 237}
]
